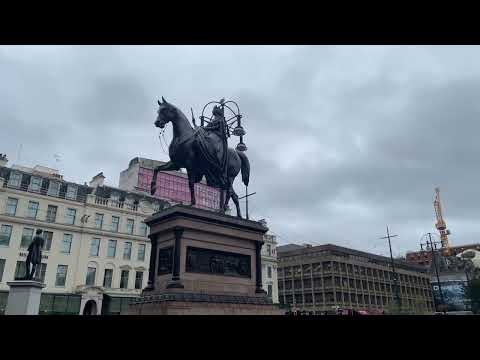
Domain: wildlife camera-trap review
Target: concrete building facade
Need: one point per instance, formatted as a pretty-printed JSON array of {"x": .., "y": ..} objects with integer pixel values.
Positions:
[
  {"x": 322, "y": 278},
  {"x": 96, "y": 251}
]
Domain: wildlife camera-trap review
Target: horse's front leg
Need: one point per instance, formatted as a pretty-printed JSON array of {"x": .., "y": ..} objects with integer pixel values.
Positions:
[
  {"x": 227, "y": 197},
  {"x": 222, "y": 201},
  {"x": 169, "y": 166},
  {"x": 235, "y": 200},
  {"x": 153, "y": 184},
  {"x": 191, "y": 184}
]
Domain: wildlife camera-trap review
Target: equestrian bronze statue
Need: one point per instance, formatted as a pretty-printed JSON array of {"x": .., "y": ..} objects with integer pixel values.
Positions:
[{"x": 203, "y": 151}]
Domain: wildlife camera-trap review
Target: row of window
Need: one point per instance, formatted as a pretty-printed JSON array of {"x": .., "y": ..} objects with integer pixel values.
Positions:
[
  {"x": 108, "y": 278},
  {"x": 27, "y": 237},
  {"x": 342, "y": 281},
  {"x": 351, "y": 298},
  {"x": 61, "y": 275},
  {"x": 35, "y": 185},
  {"x": 112, "y": 249},
  {"x": 70, "y": 215},
  {"x": 66, "y": 244},
  {"x": 329, "y": 266},
  {"x": 33, "y": 209},
  {"x": 357, "y": 285},
  {"x": 115, "y": 224}
]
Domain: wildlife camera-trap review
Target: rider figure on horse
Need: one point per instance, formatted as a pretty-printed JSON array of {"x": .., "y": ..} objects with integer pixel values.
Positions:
[{"x": 219, "y": 142}]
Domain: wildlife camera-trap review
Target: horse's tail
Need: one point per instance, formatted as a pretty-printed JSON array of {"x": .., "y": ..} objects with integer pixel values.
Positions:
[{"x": 245, "y": 167}]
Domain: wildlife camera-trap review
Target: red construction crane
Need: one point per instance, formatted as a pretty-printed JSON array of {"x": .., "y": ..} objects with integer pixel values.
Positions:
[{"x": 441, "y": 225}]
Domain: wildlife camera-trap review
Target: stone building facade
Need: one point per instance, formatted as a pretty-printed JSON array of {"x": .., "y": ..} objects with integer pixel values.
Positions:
[
  {"x": 322, "y": 278},
  {"x": 269, "y": 267},
  {"x": 96, "y": 251}
]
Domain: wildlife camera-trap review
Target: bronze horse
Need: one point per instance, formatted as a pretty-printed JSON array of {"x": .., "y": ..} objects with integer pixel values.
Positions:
[{"x": 185, "y": 152}]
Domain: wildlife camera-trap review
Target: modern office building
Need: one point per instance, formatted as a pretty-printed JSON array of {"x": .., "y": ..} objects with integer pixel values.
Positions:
[
  {"x": 96, "y": 251},
  {"x": 322, "y": 278}
]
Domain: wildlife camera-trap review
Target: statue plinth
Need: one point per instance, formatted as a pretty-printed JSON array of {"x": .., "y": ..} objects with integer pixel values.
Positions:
[
  {"x": 203, "y": 262},
  {"x": 24, "y": 297}
]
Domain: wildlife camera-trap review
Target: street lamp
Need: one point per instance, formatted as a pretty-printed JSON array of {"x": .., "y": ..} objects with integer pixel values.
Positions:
[{"x": 430, "y": 244}]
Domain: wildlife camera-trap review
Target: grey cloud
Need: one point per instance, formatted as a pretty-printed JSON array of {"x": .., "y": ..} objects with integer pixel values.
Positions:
[{"x": 342, "y": 140}]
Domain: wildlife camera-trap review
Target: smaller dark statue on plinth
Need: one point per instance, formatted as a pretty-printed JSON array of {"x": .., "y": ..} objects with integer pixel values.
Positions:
[{"x": 34, "y": 256}]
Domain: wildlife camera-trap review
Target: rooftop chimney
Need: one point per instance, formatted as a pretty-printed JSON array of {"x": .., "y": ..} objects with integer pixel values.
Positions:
[
  {"x": 97, "y": 180},
  {"x": 3, "y": 160}
]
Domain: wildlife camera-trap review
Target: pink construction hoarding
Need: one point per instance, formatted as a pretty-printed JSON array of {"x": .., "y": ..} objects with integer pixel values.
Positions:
[{"x": 175, "y": 188}]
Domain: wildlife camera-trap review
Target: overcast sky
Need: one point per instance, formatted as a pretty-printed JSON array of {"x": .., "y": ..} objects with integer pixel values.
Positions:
[{"x": 342, "y": 140}]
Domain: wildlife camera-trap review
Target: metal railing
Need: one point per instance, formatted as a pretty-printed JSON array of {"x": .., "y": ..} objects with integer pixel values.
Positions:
[
  {"x": 43, "y": 191},
  {"x": 79, "y": 198}
]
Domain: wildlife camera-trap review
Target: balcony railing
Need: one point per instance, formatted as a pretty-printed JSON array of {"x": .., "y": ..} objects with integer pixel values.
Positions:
[
  {"x": 79, "y": 198},
  {"x": 112, "y": 203},
  {"x": 101, "y": 201},
  {"x": 41, "y": 191}
]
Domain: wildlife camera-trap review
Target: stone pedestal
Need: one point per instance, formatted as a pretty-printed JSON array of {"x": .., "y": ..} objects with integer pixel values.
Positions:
[
  {"x": 24, "y": 297},
  {"x": 203, "y": 262}
]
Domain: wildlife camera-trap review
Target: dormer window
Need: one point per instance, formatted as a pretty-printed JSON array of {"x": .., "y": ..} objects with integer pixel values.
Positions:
[
  {"x": 71, "y": 192},
  {"x": 115, "y": 197},
  {"x": 35, "y": 183},
  {"x": 53, "y": 188},
  {"x": 15, "y": 179}
]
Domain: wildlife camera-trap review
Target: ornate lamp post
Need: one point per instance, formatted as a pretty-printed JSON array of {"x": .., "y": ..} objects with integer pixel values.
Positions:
[
  {"x": 234, "y": 122},
  {"x": 432, "y": 246}
]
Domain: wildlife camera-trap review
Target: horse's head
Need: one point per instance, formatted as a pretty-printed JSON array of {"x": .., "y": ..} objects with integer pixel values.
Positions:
[{"x": 166, "y": 113}]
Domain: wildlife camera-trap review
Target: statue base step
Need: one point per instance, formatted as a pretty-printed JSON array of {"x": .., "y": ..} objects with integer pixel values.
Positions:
[{"x": 181, "y": 303}]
